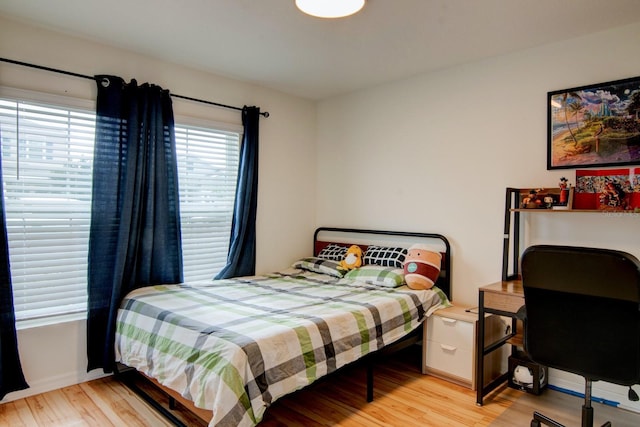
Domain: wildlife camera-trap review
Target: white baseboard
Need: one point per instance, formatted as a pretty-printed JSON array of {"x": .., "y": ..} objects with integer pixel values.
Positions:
[
  {"x": 54, "y": 383},
  {"x": 616, "y": 395}
]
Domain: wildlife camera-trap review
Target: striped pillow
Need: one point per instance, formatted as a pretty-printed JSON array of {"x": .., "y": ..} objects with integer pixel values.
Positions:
[
  {"x": 319, "y": 265},
  {"x": 388, "y": 277}
]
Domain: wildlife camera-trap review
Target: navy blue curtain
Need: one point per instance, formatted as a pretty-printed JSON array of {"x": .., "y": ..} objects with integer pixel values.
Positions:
[
  {"x": 11, "y": 376},
  {"x": 135, "y": 237},
  {"x": 241, "y": 260}
]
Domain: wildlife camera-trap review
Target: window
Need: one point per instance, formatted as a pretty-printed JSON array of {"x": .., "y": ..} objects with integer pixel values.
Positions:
[
  {"x": 207, "y": 174},
  {"x": 47, "y": 156},
  {"x": 46, "y": 164}
]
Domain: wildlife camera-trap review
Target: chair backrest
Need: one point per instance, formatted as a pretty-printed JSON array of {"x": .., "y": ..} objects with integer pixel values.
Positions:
[{"x": 583, "y": 311}]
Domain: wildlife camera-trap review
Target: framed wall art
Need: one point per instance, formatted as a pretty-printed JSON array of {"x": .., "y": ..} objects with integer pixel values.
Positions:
[{"x": 594, "y": 126}]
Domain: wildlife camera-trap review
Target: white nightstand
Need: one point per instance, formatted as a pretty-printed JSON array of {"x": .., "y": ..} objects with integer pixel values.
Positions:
[{"x": 449, "y": 346}]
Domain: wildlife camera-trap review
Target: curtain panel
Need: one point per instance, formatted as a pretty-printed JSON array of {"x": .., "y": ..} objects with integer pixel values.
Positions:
[
  {"x": 11, "y": 375},
  {"x": 241, "y": 260},
  {"x": 135, "y": 237}
]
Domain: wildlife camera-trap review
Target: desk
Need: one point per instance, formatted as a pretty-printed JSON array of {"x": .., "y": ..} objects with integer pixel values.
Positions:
[{"x": 504, "y": 299}]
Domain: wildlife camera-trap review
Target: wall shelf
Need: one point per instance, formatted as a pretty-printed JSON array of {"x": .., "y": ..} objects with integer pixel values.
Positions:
[
  {"x": 511, "y": 244},
  {"x": 600, "y": 211}
]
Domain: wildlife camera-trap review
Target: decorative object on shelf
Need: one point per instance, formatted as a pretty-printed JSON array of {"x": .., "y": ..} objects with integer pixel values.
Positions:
[
  {"x": 608, "y": 189},
  {"x": 564, "y": 191},
  {"x": 594, "y": 126},
  {"x": 531, "y": 199},
  {"x": 539, "y": 198},
  {"x": 565, "y": 199},
  {"x": 546, "y": 198}
]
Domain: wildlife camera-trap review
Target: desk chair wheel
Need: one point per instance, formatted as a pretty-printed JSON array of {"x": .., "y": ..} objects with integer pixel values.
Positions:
[{"x": 539, "y": 419}]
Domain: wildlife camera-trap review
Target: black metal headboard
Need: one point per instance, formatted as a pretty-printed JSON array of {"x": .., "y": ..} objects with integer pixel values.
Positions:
[{"x": 325, "y": 235}]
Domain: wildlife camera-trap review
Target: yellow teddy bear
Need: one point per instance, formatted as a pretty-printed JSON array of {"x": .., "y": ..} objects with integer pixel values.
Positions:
[{"x": 352, "y": 259}]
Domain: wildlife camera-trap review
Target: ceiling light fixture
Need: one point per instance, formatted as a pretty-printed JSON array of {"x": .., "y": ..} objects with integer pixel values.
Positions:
[{"x": 330, "y": 8}]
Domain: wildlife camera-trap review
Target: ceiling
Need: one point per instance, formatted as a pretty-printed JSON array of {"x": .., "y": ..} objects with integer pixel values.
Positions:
[{"x": 271, "y": 43}]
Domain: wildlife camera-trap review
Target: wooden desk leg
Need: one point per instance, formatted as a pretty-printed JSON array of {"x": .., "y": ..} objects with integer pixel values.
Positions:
[{"x": 480, "y": 351}]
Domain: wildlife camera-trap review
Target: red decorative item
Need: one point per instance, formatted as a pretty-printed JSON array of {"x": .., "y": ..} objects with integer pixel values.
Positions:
[{"x": 607, "y": 189}]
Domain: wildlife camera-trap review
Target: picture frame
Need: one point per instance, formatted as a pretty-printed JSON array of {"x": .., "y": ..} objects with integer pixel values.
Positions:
[{"x": 594, "y": 126}]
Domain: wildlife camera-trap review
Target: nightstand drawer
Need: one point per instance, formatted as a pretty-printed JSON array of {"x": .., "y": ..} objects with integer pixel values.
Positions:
[
  {"x": 455, "y": 361},
  {"x": 453, "y": 332},
  {"x": 449, "y": 346}
]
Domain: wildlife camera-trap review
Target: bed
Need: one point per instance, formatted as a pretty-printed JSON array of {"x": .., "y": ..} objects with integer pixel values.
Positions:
[{"x": 228, "y": 349}]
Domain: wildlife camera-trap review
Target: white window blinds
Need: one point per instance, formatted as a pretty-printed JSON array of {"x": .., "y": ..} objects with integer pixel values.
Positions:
[
  {"x": 207, "y": 173},
  {"x": 47, "y": 156}
]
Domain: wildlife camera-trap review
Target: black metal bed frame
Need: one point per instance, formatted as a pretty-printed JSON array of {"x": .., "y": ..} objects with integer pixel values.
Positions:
[{"x": 128, "y": 376}]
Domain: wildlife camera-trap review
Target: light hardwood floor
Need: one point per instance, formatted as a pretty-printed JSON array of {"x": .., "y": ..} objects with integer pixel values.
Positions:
[{"x": 403, "y": 397}]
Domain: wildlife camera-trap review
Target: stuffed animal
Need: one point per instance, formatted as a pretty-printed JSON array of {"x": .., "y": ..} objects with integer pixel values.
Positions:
[
  {"x": 421, "y": 267},
  {"x": 352, "y": 259}
]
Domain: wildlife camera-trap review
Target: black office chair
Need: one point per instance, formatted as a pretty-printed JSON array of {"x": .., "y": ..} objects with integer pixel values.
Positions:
[{"x": 582, "y": 316}]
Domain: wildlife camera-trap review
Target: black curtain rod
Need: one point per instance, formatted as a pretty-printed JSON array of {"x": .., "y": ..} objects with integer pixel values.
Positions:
[{"x": 84, "y": 76}]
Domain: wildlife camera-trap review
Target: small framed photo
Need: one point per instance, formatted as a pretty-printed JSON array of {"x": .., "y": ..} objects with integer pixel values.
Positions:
[
  {"x": 594, "y": 126},
  {"x": 543, "y": 198}
]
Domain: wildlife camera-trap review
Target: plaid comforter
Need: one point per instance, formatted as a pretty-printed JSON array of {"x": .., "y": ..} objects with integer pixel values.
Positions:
[{"x": 235, "y": 346}]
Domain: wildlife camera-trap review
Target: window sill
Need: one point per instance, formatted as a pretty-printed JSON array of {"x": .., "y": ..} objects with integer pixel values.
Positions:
[{"x": 50, "y": 320}]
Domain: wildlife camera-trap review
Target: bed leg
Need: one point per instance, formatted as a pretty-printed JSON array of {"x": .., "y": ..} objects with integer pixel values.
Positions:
[
  {"x": 369, "y": 382},
  {"x": 127, "y": 377},
  {"x": 157, "y": 406}
]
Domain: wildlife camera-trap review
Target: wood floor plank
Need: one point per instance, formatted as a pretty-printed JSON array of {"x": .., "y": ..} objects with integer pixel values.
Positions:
[
  {"x": 88, "y": 412},
  {"x": 44, "y": 414},
  {"x": 288, "y": 418},
  {"x": 395, "y": 405},
  {"x": 330, "y": 412},
  {"x": 121, "y": 406},
  {"x": 17, "y": 414}
]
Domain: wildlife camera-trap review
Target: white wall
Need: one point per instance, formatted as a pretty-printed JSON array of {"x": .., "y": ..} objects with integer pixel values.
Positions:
[
  {"x": 54, "y": 356},
  {"x": 436, "y": 152}
]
